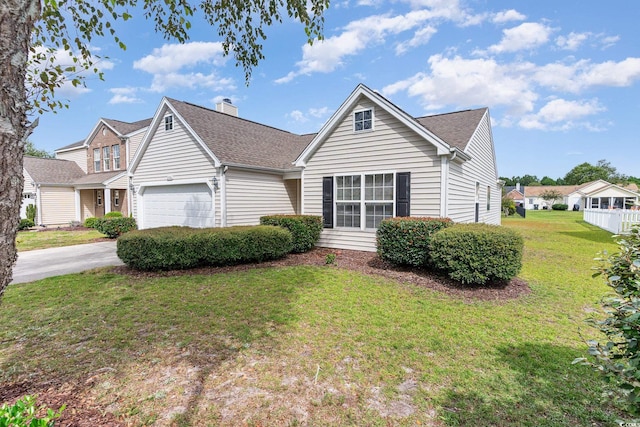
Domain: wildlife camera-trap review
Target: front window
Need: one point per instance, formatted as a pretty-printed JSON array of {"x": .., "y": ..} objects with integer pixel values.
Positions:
[
  {"x": 372, "y": 194},
  {"x": 96, "y": 160},
  {"x": 116, "y": 156},
  {"x": 363, "y": 120},
  {"x": 106, "y": 158}
]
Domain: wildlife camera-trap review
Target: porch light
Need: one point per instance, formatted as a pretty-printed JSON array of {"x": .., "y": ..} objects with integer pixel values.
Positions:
[{"x": 215, "y": 183}]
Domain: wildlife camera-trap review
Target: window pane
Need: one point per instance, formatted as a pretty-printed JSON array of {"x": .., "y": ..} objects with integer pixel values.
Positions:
[
  {"x": 388, "y": 193},
  {"x": 356, "y": 180},
  {"x": 348, "y": 215},
  {"x": 367, "y": 114},
  {"x": 376, "y": 213},
  {"x": 359, "y": 116},
  {"x": 356, "y": 193}
]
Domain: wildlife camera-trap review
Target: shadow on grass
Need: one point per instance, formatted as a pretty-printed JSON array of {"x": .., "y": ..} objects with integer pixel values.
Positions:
[
  {"x": 72, "y": 329},
  {"x": 590, "y": 235},
  {"x": 552, "y": 392}
]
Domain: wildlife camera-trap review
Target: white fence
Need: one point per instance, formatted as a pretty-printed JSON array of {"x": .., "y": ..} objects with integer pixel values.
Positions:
[{"x": 617, "y": 221}]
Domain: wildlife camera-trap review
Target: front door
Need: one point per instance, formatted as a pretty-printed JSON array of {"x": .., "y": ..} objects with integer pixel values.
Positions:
[{"x": 99, "y": 203}]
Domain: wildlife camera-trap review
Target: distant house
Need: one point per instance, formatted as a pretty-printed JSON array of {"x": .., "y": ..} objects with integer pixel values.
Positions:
[
  {"x": 598, "y": 194},
  {"x": 370, "y": 161},
  {"x": 88, "y": 178},
  {"x": 515, "y": 193}
]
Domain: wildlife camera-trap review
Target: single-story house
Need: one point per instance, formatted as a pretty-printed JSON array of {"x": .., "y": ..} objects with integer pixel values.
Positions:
[
  {"x": 515, "y": 193},
  {"x": 87, "y": 178},
  {"x": 371, "y": 160},
  {"x": 597, "y": 194}
]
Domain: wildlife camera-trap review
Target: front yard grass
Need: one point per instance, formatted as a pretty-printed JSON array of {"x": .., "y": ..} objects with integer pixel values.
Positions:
[
  {"x": 30, "y": 240},
  {"x": 319, "y": 345}
]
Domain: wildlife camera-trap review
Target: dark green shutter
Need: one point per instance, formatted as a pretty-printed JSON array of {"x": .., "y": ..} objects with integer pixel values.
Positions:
[
  {"x": 327, "y": 202},
  {"x": 403, "y": 194}
]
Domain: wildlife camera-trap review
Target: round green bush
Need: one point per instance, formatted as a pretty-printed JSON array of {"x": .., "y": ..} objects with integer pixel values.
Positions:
[
  {"x": 25, "y": 223},
  {"x": 90, "y": 222},
  {"x": 174, "y": 248},
  {"x": 405, "y": 241},
  {"x": 477, "y": 254},
  {"x": 305, "y": 229},
  {"x": 114, "y": 227},
  {"x": 560, "y": 207},
  {"x": 113, "y": 214}
]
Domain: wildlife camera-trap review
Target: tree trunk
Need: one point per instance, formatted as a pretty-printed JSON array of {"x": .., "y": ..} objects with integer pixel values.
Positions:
[{"x": 17, "y": 19}]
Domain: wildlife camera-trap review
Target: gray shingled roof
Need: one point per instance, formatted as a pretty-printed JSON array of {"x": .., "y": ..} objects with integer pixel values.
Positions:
[
  {"x": 96, "y": 178},
  {"x": 240, "y": 141},
  {"x": 74, "y": 145},
  {"x": 125, "y": 127},
  {"x": 52, "y": 171},
  {"x": 456, "y": 129}
]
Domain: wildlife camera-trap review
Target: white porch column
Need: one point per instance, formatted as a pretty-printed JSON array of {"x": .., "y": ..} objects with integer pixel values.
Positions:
[
  {"x": 78, "y": 207},
  {"x": 107, "y": 200}
]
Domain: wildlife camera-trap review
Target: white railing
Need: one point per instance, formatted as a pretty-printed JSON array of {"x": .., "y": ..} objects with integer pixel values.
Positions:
[{"x": 617, "y": 221}]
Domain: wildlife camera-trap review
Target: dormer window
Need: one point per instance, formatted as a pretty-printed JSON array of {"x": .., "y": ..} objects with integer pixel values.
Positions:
[
  {"x": 168, "y": 123},
  {"x": 363, "y": 120}
]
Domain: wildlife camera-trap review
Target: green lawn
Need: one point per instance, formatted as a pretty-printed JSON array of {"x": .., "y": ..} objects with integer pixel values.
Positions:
[
  {"x": 30, "y": 240},
  {"x": 320, "y": 345}
]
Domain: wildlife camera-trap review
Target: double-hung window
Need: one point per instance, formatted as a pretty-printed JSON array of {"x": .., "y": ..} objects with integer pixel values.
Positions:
[
  {"x": 106, "y": 157},
  {"x": 363, "y": 200},
  {"x": 116, "y": 156},
  {"x": 96, "y": 160}
]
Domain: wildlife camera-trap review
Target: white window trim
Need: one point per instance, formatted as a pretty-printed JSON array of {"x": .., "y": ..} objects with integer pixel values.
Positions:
[
  {"x": 363, "y": 202},
  {"x": 106, "y": 161},
  {"x": 373, "y": 120},
  {"x": 113, "y": 157},
  {"x": 168, "y": 121},
  {"x": 97, "y": 160}
]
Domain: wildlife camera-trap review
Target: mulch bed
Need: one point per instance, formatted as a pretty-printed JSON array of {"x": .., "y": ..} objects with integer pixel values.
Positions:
[{"x": 367, "y": 263}]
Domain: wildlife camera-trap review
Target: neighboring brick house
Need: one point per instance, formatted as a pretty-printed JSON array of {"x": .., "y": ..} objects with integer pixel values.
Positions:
[{"x": 88, "y": 178}]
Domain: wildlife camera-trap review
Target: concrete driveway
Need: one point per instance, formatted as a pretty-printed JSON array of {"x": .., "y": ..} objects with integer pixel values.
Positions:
[{"x": 42, "y": 263}]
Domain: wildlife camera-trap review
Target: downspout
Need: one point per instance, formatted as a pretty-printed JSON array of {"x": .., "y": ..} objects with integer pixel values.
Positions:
[
  {"x": 444, "y": 184},
  {"x": 223, "y": 195},
  {"x": 39, "y": 206}
]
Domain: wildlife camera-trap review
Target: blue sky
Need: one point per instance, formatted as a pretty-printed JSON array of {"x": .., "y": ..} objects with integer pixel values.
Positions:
[{"x": 561, "y": 78}]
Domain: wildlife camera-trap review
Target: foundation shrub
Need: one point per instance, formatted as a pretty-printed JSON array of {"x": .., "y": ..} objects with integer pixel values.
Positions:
[
  {"x": 477, "y": 254},
  {"x": 560, "y": 207},
  {"x": 115, "y": 226},
  {"x": 113, "y": 214},
  {"x": 176, "y": 248},
  {"x": 90, "y": 222},
  {"x": 305, "y": 229},
  {"x": 405, "y": 241}
]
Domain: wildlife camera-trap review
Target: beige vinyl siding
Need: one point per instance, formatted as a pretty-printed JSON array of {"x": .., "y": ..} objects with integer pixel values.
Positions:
[
  {"x": 87, "y": 204},
  {"x": 134, "y": 143},
  {"x": 462, "y": 180},
  {"x": 29, "y": 186},
  {"x": 58, "y": 205},
  {"x": 252, "y": 194},
  {"x": 121, "y": 182},
  {"x": 391, "y": 146},
  {"x": 175, "y": 154},
  {"x": 78, "y": 155}
]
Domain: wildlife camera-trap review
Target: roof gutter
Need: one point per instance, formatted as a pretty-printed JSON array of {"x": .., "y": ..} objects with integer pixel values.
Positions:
[{"x": 455, "y": 153}]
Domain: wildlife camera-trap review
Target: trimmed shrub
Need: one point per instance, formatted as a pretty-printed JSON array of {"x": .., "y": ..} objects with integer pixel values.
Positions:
[
  {"x": 30, "y": 212},
  {"x": 25, "y": 223},
  {"x": 477, "y": 254},
  {"x": 172, "y": 248},
  {"x": 113, "y": 214},
  {"x": 114, "y": 227},
  {"x": 405, "y": 241},
  {"x": 560, "y": 207},
  {"x": 305, "y": 229},
  {"x": 90, "y": 222}
]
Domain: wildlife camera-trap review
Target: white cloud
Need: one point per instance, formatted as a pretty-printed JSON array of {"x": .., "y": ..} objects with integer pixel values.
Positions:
[
  {"x": 607, "y": 41},
  {"x": 572, "y": 41},
  {"x": 124, "y": 95},
  {"x": 507, "y": 16},
  {"x": 319, "y": 112},
  {"x": 173, "y": 57},
  {"x": 420, "y": 37},
  {"x": 167, "y": 63},
  {"x": 465, "y": 82},
  {"x": 525, "y": 36},
  {"x": 297, "y": 116},
  {"x": 581, "y": 75},
  {"x": 560, "y": 114}
]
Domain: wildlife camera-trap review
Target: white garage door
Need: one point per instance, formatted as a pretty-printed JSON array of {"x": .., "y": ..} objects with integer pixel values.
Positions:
[{"x": 188, "y": 204}]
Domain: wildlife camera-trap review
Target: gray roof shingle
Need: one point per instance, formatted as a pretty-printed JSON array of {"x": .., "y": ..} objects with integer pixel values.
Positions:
[
  {"x": 96, "y": 178},
  {"x": 125, "y": 127},
  {"x": 240, "y": 141},
  {"x": 456, "y": 129},
  {"x": 52, "y": 171}
]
